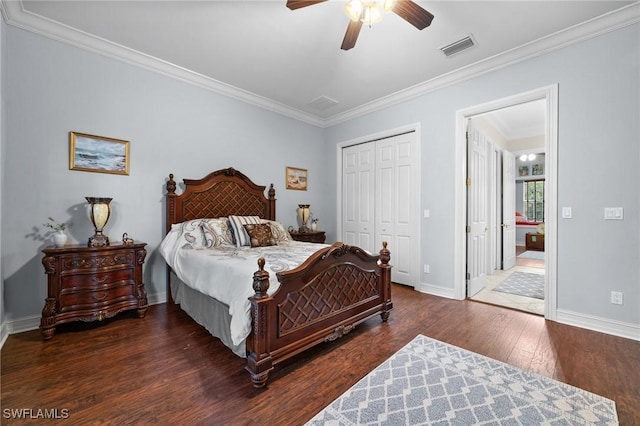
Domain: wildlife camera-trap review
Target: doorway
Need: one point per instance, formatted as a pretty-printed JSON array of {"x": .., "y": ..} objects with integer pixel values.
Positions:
[
  {"x": 513, "y": 201},
  {"x": 549, "y": 95}
]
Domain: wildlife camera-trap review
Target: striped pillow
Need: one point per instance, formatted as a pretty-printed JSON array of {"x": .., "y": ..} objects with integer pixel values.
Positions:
[{"x": 239, "y": 233}]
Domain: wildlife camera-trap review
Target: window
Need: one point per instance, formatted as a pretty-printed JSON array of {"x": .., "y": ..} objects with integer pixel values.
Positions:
[{"x": 533, "y": 197}]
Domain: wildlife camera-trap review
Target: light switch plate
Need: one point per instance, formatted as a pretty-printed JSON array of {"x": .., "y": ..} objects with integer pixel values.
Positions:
[
  {"x": 613, "y": 213},
  {"x": 567, "y": 213}
]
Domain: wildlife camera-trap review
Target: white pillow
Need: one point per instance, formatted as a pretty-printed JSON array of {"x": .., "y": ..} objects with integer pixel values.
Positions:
[
  {"x": 278, "y": 231},
  {"x": 190, "y": 234},
  {"x": 217, "y": 232},
  {"x": 239, "y": 233}
]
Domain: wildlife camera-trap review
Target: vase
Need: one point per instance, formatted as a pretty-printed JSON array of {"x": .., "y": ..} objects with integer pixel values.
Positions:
[{"x": 59, "y": 238}]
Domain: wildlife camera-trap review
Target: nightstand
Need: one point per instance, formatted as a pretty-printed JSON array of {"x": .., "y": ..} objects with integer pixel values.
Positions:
[
  {"x": 309, "y": 236},
  {"x": 92, "y": 283}
]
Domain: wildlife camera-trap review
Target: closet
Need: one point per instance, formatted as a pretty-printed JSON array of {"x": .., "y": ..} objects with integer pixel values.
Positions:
[{"x": 380, "y": 201}]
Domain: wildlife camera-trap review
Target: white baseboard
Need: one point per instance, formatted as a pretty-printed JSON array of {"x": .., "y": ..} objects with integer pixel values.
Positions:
[
  {"x": 157, "y": 298},
  {"x": 4, "y": 333},
  {"x": 603, "y": 325},
  {"x": 449, "y": 293}
]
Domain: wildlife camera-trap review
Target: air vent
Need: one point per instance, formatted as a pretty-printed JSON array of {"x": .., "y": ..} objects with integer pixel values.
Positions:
[
  {"x": 458, "y": 46},
  {"x": 322, "y": 102}
]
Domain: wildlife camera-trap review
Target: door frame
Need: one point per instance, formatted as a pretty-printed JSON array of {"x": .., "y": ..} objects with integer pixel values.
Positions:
[
  {"x": 550, "y": 95},
  {"x": 413, "y": 127}
]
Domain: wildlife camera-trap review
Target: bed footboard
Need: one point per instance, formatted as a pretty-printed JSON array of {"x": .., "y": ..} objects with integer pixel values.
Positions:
[{"x": 323, "y": 299}]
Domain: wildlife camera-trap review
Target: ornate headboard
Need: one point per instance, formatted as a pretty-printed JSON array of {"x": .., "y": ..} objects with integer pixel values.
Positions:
[{"x": 221, "y": 193}]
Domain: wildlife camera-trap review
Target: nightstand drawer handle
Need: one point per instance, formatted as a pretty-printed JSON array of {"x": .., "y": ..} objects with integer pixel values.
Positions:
[
  {"x": 98, "y": 299},
  {"x": 96, "y": 280}
]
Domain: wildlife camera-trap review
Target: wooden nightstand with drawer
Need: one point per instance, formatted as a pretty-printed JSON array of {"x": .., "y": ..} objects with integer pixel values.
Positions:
[
  {"x": 309, "y": 236},
  {"x": 92, "y": 283}
]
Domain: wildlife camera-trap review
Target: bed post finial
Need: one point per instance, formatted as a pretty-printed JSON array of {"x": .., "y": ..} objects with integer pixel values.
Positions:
[
  {"x": 260, "y": 280},
  {"x": 171, "y": 185},
  {"x": 385, "y": 254}
]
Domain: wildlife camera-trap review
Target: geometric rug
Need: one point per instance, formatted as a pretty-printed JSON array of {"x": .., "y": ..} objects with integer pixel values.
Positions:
[
  {"x": 523, "y": 284},
  {"x": 431, "y": 382},
  {"x": 532, "y": 255}
]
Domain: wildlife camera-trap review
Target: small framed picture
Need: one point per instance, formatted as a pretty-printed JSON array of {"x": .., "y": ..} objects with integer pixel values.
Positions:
[
  {"x": 537, "y": 169},
  {"x": 296, "y": 178},
  {"x": 90, "y": 153},
  {"x": 523, "y": 170}
]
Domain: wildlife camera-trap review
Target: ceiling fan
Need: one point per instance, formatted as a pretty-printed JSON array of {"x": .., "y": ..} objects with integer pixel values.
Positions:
[{"x": 369, "y": 12}]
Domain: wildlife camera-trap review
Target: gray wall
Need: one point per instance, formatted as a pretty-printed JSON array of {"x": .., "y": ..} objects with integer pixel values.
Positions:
[
  {"x": 53, "y": 88},
  {"x": 2, "y": 142},
  {"x": 174, "y": 127},
  {"x": 598, "y": 153}
]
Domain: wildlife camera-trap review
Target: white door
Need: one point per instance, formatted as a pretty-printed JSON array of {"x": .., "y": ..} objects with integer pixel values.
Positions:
[
  {"x": 508, "y": 210},
  {"x": 477, "y": 209},
  {"x": 397, "y": 209},
  {"x": 358, "y": 186}
]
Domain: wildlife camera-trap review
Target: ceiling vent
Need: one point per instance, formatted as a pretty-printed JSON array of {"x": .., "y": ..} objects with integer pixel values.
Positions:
[
  {"x": 322, "y": 102},
  {"x": 458, "y": 46}
]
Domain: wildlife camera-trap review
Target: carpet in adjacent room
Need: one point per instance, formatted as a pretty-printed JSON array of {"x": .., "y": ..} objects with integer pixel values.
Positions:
[
  {"x": 523, "y": 284},
  {"x": 530, "y": 254}
]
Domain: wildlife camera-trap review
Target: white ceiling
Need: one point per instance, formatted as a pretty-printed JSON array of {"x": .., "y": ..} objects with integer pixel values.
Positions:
[
  {"x": 519, "y": 121},
  {"x": 264, "y": 53}
]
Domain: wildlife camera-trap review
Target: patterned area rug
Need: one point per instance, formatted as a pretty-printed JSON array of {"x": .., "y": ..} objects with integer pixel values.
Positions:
[
  {"x": 529, "y": 254},
  {"x": 523, "y": 284},
  {"x": 431, "y": 382}
]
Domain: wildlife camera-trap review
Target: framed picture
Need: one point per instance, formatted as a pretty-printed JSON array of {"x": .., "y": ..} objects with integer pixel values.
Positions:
[
  {"x": 523, "y": 171},
  {"x": 90, "y": 153},
  {"x": 537, "y": 169},
  {"x": 296, "y": 178}
]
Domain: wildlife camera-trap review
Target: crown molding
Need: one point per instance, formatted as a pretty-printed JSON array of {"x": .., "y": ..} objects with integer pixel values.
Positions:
[
  {"x": 14, "y": 14},
  {"x": 603, "y": 24}
]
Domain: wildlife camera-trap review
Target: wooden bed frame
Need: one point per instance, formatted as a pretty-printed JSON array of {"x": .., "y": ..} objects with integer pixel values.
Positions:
[{"x": 334, "y": 290}]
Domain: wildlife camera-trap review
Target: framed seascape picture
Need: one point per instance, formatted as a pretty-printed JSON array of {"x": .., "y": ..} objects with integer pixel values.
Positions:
[
  {"x": 537, "y": 169},
  {"x": 523, "y": 171},
  {"x": 296, "y": 178},
  {"x": 90, "y": 153}
]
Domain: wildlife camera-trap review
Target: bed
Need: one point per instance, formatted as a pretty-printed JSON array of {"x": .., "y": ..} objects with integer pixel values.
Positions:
[{"x": 336, "y": 288}]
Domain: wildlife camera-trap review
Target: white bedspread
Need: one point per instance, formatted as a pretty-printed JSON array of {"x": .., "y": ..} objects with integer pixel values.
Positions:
[{"x": 226, "y": 273}]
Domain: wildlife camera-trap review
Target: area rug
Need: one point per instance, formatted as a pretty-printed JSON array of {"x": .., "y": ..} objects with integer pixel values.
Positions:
[
  {"x": 530, "y": 254},
  {"x": 523, "y": 284},
  {"x": 430, "y": 382}
]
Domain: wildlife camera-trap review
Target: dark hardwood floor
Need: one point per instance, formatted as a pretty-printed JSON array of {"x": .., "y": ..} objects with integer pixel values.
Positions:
[{"x": 165, "y": 369}]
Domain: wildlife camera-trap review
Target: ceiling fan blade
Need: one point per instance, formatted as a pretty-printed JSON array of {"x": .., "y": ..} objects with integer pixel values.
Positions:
[
  {"x": 351, "y": 36},
  {"x": 413, "y": 14},
  {"x": 297, "y": 4}
]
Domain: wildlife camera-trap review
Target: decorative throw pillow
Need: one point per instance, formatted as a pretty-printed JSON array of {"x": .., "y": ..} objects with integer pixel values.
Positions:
[
  {"x": 191, "y": 234},
  {"x": 278, "y": 231},
  {"x": 239, "y": 233},
  {"x": 260, "y": 235},
  {"x": 217, "y": 232}
]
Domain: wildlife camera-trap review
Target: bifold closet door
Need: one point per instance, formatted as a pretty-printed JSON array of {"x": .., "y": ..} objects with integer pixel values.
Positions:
[
  {"x": 358, "y": 191},
  {"x": 396, "y": 204}
]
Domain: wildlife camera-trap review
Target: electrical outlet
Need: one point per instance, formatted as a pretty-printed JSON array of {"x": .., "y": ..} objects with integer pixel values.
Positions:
[
  {"x": 426, "y": 269},
  {"x": 616, "y": 297}
]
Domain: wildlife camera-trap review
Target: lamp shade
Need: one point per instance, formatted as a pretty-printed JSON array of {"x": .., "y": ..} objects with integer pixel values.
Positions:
[{"x": 99, "y": 215}]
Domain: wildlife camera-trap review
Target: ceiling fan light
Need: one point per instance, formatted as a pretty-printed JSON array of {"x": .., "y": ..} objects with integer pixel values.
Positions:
[
  {"x": 353, "y": 9},
  {"x": 387, "y": 5},
  {"x": 531, "y": 157},
  {"x": 371, "y": 14},
  {"x": 523, "y": 157}
]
